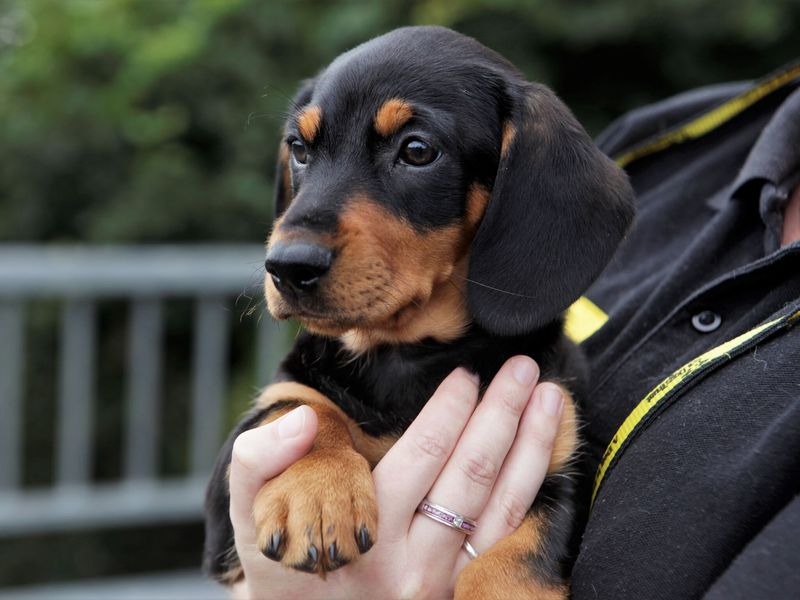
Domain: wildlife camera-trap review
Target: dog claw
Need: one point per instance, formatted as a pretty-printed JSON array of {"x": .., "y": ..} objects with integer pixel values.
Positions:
[
  {"x": 309, "y": 565},
  {"x": 274, "y": 549},
  {"x": 364, "y": 539},
  {"x": 335, "y": 560}
]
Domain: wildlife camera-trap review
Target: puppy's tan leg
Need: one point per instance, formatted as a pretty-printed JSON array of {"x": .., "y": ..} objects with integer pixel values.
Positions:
[
  {"x": 517, "y": 567},
  {"x": 566, "y": 443},
  {"x": 320, "y": 513}
]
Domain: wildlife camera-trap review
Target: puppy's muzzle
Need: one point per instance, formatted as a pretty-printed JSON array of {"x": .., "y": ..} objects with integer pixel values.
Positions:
[{"x": 297, "y": 267}]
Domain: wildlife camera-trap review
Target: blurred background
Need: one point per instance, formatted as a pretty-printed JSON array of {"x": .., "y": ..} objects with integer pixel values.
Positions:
[{"x": 137, "y": 139}]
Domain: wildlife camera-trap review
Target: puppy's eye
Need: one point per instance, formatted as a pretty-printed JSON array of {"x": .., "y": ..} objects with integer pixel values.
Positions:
[
  {"x": 299, "y": 151},
  {"x": 417, "y": 152}
]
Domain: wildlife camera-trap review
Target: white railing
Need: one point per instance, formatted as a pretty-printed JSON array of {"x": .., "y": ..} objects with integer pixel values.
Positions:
[{"x": 146, "y": 277}]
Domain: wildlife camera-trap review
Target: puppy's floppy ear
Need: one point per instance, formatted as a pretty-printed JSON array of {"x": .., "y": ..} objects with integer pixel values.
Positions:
[
  {"x": 284, "y": 191},
  {"x": 558, "y": 209}
]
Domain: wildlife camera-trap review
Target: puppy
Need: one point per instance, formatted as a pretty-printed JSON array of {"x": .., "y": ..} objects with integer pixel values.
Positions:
[{"x": 434, "y": 210}]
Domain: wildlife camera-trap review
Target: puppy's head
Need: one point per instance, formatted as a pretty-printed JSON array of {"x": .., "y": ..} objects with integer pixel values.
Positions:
[{"x": 423, "y": 184}]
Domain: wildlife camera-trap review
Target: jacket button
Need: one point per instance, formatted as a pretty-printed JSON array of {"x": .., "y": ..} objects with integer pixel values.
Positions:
[{"x": 706, "y": 321}]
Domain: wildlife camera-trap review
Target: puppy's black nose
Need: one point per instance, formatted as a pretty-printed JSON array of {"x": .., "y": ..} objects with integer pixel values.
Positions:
[{"x": 297, "y": 266}]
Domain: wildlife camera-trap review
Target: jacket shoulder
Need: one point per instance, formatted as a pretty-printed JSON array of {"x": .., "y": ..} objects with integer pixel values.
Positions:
[{"x": 642, "y": 123}]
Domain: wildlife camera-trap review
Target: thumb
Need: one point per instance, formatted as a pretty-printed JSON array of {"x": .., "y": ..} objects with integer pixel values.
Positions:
[{"x": 263, "y": 453}]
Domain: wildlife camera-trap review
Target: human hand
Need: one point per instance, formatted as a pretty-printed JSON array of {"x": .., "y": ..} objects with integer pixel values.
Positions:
[{"x": 486, "y": 462}]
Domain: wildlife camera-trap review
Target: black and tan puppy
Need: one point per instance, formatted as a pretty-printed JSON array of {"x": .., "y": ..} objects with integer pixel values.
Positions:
[{"x": 434, "y": 209}]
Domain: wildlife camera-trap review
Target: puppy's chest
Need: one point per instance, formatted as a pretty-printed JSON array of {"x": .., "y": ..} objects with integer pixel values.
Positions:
[{"x": 384, "y": 391}]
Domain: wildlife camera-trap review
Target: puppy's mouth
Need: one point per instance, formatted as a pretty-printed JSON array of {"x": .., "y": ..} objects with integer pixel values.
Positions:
[{"x": 317, "y": 316}]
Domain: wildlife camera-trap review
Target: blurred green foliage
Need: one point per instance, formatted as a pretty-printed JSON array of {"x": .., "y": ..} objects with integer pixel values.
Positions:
[{"x": 158, "y": 120}]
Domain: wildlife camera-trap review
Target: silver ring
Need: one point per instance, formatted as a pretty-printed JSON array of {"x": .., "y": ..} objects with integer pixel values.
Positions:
[
  {"x": 447, "y": 517},
  {"x": 470, "y": 550}
]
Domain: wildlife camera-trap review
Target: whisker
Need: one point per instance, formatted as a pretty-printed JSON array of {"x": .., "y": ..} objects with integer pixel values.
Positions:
[
  {"x": 487, "y": 286},
  {"x": 281, "y": 115},
  {"x": 252, "y": 284}
]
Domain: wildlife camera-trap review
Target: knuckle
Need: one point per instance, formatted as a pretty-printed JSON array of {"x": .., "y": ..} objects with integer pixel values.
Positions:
[
  {"x": 512, "y": 509},
  {"x": 513, "y": 400},
  {"x": 464, "y": 383},
  {"x": 240, "y": 455},
  {"x": 544, "y": 439},
  {"x": 479, "y": 468},
  {"x": 460, "y": 400},
  {"x": 245, "y": 451},
  {"x": 454, "y": 404},
  {"x": 431, "y": 445}
]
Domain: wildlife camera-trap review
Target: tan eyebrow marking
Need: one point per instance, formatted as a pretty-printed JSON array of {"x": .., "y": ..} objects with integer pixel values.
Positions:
[
  {"x": 392, "y": 116},
  {"x": 509, "y": 131},
  {"x": 308, "y": 122},
  {"x": 477, "y": 200}
]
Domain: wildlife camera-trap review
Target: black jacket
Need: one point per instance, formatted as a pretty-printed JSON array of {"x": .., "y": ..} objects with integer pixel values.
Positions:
[{"x": 702, "y": 500}]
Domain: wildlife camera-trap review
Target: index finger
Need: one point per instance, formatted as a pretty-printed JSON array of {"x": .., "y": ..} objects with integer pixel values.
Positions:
[{"x": 409, "y": 469}]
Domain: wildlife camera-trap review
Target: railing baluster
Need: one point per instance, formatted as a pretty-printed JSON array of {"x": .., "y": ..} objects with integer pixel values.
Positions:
[
  {"x": 83, "y": 277},
  {"x": 12, "y": 354},
  {"x": 209, "y": 379},
  {"x": 145, "y": 328},
  {"x": 75, "y": 398}
]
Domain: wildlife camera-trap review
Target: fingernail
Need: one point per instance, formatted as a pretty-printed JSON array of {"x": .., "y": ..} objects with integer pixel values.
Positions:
[
  {"x": 473, "y": 376},
  {"x": 523, "y": 370},
  {"x": 291, "y": 424},
  {"x": 552, "y": 401}
]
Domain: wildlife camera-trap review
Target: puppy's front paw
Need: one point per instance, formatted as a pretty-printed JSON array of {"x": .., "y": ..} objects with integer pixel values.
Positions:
[{"x": 320, "y": 513}]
